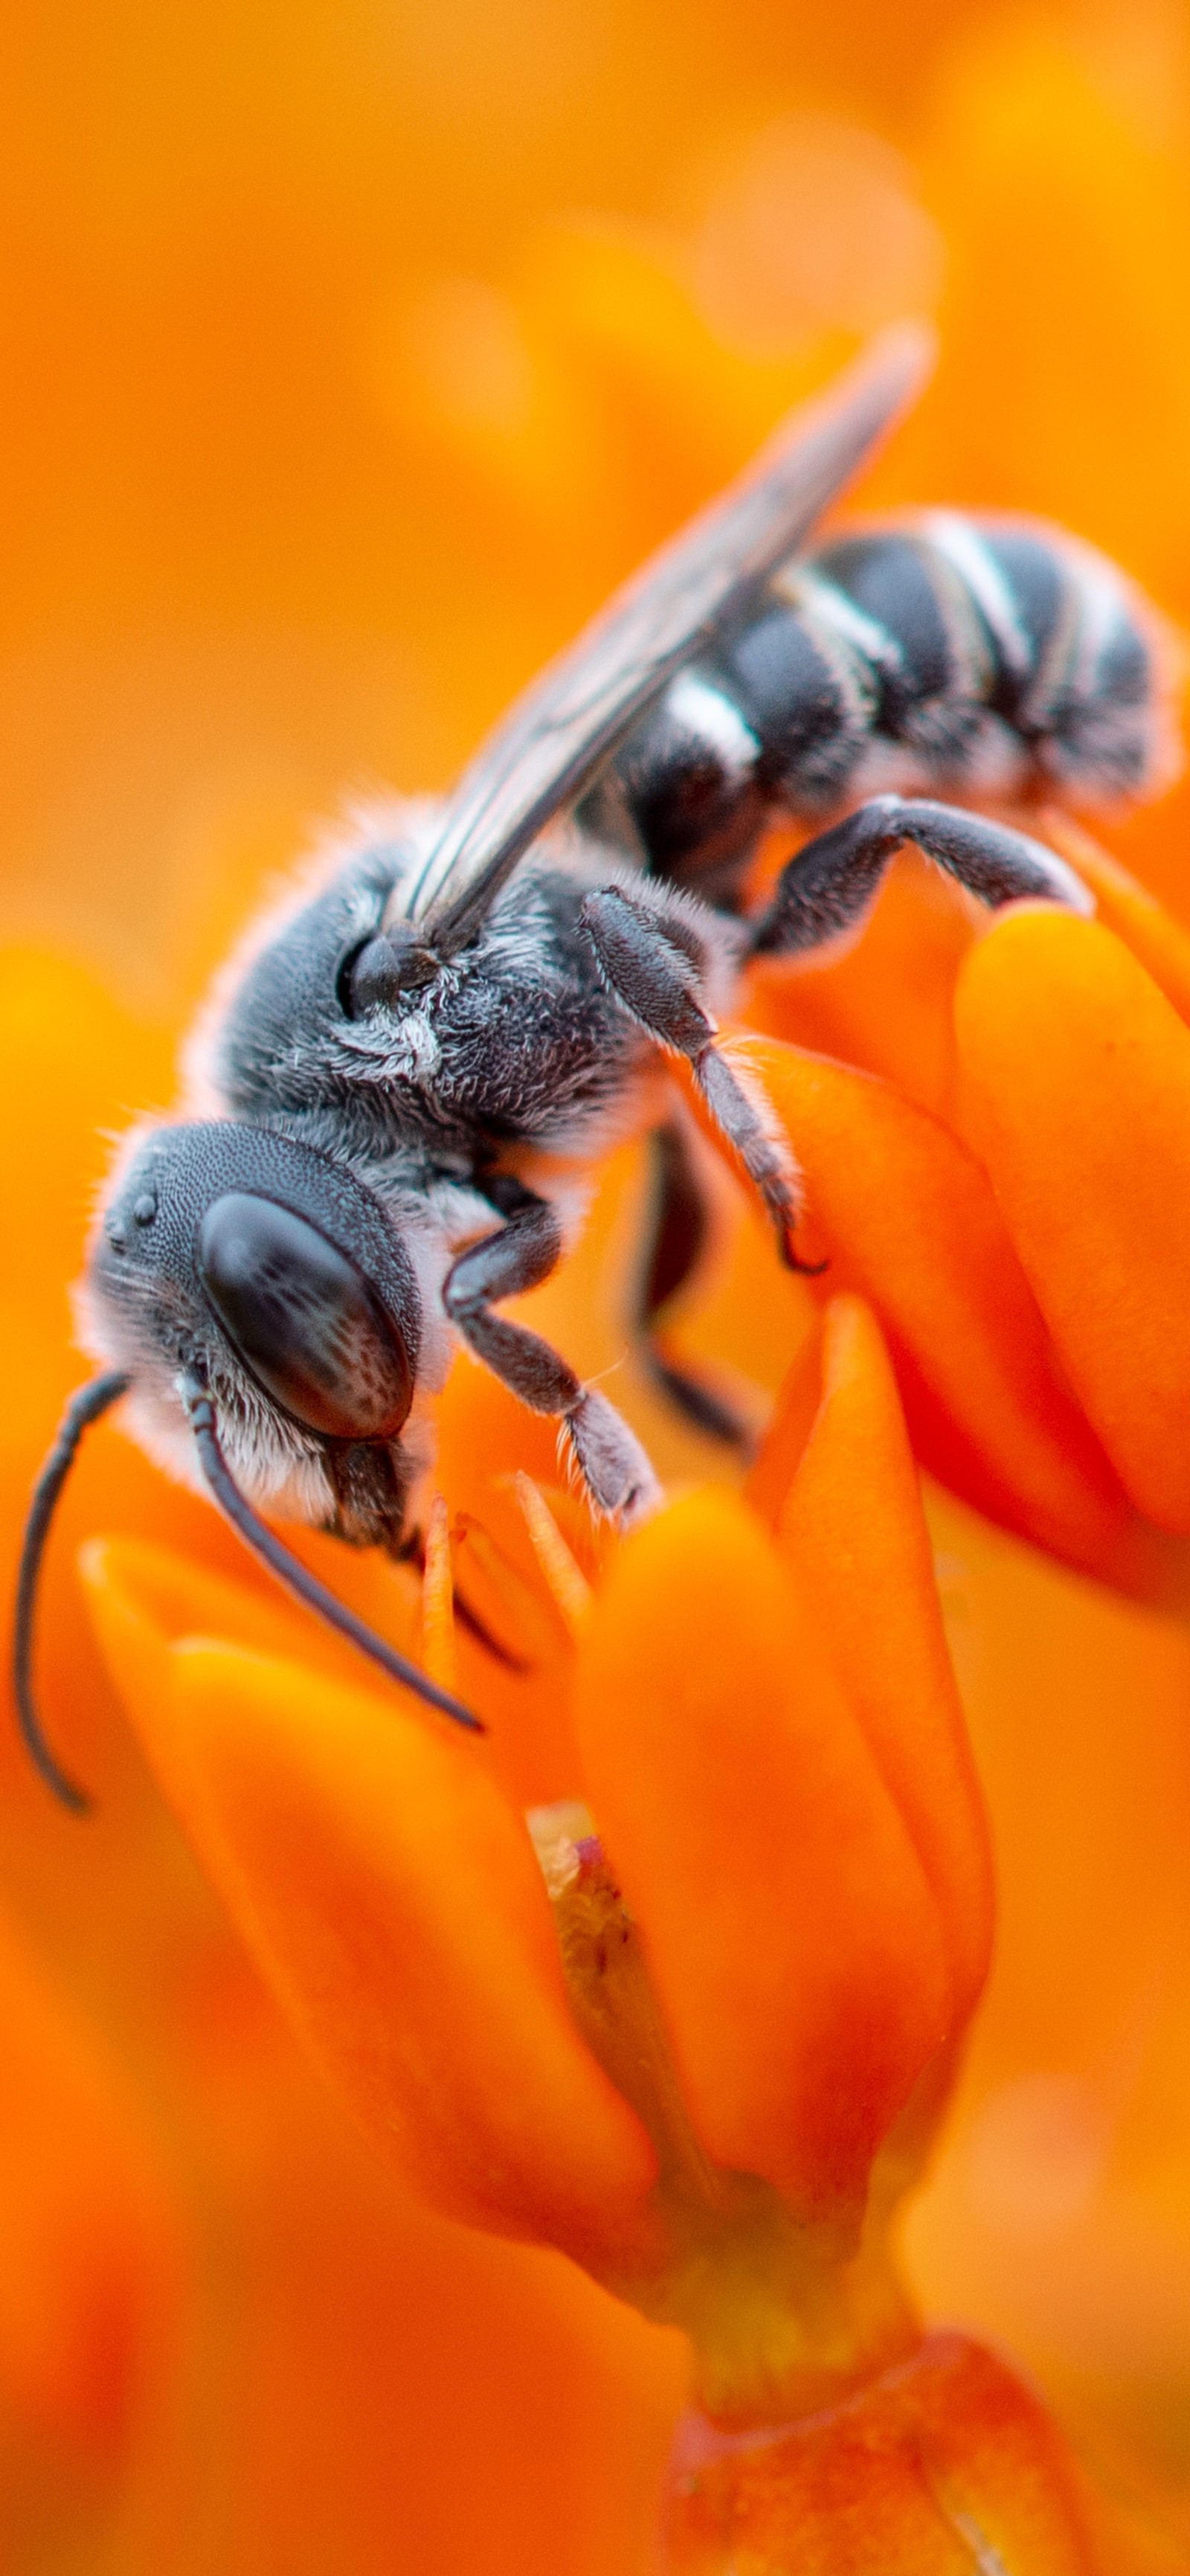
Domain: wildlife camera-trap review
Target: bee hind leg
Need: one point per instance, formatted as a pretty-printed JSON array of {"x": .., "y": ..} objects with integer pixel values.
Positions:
[
  {"x": 615, "y": 1470},
  {"x": 658, "y": 982},
  {"x": 675, "y": 1243},
  {"x": 828, "y": 883}
]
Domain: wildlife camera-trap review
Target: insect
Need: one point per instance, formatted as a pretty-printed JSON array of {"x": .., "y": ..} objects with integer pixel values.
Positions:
[{"x": 401, "y": 1077}]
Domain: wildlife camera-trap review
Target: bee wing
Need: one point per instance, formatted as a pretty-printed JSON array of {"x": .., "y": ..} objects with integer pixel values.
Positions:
[{"x": 557, "y": 736}]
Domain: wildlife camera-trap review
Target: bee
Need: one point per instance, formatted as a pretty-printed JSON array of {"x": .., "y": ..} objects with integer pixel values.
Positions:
[{"x": 403, "y": 1075}]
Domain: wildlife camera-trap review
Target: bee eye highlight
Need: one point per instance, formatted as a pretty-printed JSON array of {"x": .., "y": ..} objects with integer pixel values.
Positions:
[{"x": 303, "y": 1319}]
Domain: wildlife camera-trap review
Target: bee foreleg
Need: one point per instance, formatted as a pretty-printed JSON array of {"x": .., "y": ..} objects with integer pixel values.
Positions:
[
  {"x": 825, "y": 887},
  {"x": 658, "y": 981},
  {"x": 614, "y": 1468}
]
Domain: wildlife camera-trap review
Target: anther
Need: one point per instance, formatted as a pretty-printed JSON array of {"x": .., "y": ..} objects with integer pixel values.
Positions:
[
  {"x": 439, "y": 1655},
  {"x": 568, "y": 1585}
]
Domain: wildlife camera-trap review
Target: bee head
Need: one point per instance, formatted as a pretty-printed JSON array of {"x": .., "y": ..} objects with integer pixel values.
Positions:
[
  {"x": 253, "y": 1301},
  {"x": 269, "y": 1271}
]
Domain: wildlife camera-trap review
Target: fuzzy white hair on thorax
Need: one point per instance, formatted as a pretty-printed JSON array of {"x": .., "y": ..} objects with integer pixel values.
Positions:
[{"x": 391, "y": 823}]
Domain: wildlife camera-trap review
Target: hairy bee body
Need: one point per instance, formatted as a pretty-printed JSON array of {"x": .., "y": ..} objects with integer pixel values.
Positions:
[
  {"x": 517, "y": 1042},
  {"x": 944, "y": 653}
]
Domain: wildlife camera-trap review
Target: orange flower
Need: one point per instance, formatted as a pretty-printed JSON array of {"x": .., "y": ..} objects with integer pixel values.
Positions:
[
  {"x": 1023, "y": 1243},
  {"x": 756, "y": 1701},
  {"x": 402, "y": 1913},
  {"x": 713, "y": 2076}
]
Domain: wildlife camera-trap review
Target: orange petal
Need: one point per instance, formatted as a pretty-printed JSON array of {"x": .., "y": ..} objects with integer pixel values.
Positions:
[
  {"x": 853, "y": 1532},
  {"x": 906, "y": 1216},
  {"x": 1157, "y": 941},
  {"x": 1077, "y": 1093},
  {"x": 393, "y": 1899},
  {"x": 795, "y": 1946},
  {"x": 885, "y": 1001}
]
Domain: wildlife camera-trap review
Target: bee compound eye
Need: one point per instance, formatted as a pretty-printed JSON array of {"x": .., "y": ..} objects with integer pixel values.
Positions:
[{"x": 303, "y": 1319}]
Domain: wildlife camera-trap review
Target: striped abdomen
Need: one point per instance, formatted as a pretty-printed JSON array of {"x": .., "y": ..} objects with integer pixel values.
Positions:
[{"x": 988, "y": 657}]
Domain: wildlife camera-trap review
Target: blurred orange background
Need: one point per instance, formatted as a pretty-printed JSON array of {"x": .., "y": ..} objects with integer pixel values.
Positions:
[
  {"x": 350, "y": 352},
  {"x": 265, "y": 368}
]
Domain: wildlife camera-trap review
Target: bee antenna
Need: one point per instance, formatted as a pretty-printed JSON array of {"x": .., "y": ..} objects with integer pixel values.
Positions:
[
  {"x": 85, "y": 1407},
  {"x": 290, "y": 1570}
]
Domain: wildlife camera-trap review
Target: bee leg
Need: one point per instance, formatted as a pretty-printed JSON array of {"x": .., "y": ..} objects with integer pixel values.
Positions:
[
  {"x": 677, "y": 1238},
  {"x": 825, "y": 887},
  {"x": 658, "y": 981},
  {"x": 614, "y": 1468}
]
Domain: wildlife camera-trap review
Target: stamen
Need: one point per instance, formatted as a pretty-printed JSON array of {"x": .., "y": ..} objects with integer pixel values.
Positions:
[
  {"x": 611, "y": 1996},
  {"x": 568, "y": 1585},
  {"x": 439, "y": 1650},
  {"x": 787, "y": 2309}
]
